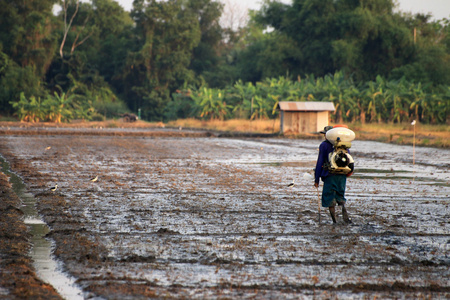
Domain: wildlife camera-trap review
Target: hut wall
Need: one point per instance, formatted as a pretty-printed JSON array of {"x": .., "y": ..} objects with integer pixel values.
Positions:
[
  {"x": 303, "y": 122},
  {"x": 322, "y": 120}
]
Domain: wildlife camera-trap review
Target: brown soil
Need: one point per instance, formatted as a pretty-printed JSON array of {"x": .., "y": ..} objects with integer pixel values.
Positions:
[
  {"x": 84, "y": 252},
  {"x": 18, "y": 279}
]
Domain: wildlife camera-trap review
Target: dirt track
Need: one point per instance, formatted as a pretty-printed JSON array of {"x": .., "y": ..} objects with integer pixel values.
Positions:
[{"x": 183, "y": 216}]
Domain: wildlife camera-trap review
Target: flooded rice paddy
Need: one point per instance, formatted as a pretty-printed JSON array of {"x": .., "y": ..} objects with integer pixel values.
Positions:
[{"x": 212, "y": 217}]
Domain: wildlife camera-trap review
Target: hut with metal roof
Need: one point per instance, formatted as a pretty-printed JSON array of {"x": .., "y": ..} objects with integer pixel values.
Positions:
[{"x": 304, "y": 117}]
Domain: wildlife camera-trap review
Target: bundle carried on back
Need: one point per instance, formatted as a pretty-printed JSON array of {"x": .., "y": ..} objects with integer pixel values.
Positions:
[{"x": 340, "y": 160}]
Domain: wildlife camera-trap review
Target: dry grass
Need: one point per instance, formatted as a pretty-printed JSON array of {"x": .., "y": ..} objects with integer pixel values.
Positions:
[
  {"x": 238, "y": 125},
  {"x": 426, "y": 135}
]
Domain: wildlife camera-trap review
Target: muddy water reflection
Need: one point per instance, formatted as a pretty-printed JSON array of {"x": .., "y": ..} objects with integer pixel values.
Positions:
[{"x": 47, "y": 268}]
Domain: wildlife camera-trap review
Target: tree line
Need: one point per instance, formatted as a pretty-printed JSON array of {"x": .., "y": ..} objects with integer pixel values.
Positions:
[
  {"x": 65, "y": 59},
  {"x": 379, "y": 101}
]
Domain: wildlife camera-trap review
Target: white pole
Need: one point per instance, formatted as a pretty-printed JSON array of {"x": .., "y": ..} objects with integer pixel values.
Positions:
[{"x": 413, "y": 123}]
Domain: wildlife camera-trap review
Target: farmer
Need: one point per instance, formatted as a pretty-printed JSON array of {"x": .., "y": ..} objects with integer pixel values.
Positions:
[{"x": 333, "y": 184}]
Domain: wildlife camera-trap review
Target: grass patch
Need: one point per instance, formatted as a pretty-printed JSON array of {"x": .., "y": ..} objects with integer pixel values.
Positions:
[
  {"x": 112, "y": 124},
  {"x": 236, "y": 125},
  {"x": 403, "y": 134}
]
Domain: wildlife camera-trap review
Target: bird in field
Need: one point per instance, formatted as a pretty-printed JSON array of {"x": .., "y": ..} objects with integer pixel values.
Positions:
[
  {"x": 54, "y": 188},
  {"x": 94, "y": 179},
  {"x": 291, "y": 184},
  {"x": 48, "y": 148}
]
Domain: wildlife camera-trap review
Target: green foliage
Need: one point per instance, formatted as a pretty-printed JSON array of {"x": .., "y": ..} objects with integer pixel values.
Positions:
[
  {"x": 363, "y": 38},
  {"x": 166, "y": 34},
  {"x": 15, "y": 80},
  {"x": 173, "y": 59},
  {"x": 210, "y": 103},
  {"x": 26, "y": 33},
  {"x": 204, "y": 55},
  {"x": 29, "y": 110},
  {"x": 431, "y": 59},
  {"x": 59, "y": 107},
  {"x": 94, "y": 97},
  {"x": 54, "y": 108},
  {"x": 181, "y": 106},
  {"x": 374, "y": 101}
]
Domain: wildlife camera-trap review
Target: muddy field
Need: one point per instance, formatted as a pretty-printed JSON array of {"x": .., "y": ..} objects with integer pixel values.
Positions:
[{"x": 192, "y": 216}]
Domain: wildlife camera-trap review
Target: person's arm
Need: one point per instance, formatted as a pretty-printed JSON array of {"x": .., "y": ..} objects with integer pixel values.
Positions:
[
  {"x": 352, "y": 167},
  {"x": 319, "y": 165}
]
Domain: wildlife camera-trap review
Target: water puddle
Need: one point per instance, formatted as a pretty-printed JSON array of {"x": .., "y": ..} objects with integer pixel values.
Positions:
[{"x": 46, "y": 266}]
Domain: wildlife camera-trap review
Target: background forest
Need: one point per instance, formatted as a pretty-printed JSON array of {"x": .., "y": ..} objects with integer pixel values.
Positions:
[{"x": 65, "y": 59}]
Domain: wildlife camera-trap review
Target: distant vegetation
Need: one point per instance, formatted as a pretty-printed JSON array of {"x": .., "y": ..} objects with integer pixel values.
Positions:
[
  {"x": 373, "y": 101},
  {"x": 175, "y": 59}
]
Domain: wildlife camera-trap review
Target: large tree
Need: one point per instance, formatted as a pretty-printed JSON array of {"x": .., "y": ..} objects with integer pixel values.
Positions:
[
  {"x": 166, "y": 34},
  {"x": 430, "y": 62},
  {"x": 27, "y": 45},
  {"x": 206, "y": 54},
  {"x": 365, "y": 38}
]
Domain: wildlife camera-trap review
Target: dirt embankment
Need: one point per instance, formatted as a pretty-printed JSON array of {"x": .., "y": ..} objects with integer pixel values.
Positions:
[{"x": 18, "y": 279}]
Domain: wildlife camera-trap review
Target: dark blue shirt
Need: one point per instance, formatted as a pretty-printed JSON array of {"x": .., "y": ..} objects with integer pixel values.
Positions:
[{"x": 325, "y": 149}]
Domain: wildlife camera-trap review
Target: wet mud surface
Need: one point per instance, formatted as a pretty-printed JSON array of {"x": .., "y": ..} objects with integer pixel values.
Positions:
[
  {"x": 18, "y": 279},
  {"x": 207, "y": 217}
]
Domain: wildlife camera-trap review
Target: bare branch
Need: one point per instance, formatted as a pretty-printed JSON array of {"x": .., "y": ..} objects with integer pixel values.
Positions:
[
  {"x": 81, "y": 42},
  {"x": 75, "y": 44},
  {"x": 67, "y": 26}
]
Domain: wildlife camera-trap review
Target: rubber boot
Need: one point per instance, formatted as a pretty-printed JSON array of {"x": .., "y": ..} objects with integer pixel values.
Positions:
[
  {"x": 333, "y": 213},
  {"x": 345, "y": 215}
]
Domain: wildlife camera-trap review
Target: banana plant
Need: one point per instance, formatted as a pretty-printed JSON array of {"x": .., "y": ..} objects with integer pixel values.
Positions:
[
  {"x": 374, "y": 92},
  {"x": 260, "y": 109},
  {"x": 84, "y": 110},
  {"x": 245, "y": 93},
  {"x": 32, "y": 110},
  {"x": 439, "y": 107},
  {"x": 396, "y": 96},
  {"x": 211, "y": 103},
  {"x": 59, "y": 107},
  {"x": 419, "y": 102}
]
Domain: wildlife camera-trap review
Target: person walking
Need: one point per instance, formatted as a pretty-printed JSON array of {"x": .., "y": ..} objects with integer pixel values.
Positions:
[{"x": 333, "y": 192}]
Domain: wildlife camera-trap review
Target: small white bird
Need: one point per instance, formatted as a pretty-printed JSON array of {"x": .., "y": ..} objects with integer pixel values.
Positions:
[
  {"x": 94, "y": 179},
  {"x": 413, "y": 122},
  {"x": 291, "y": 184},
  {"x": 48, "y": 148},
  {"x": 54, "y": 188}
]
